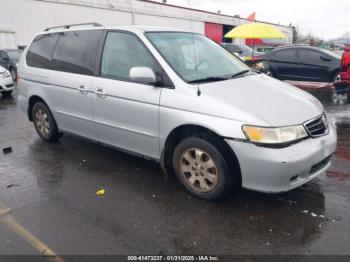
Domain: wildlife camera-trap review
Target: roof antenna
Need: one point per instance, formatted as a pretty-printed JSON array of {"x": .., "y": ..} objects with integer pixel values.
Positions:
[{"x": 194, "y": 50}]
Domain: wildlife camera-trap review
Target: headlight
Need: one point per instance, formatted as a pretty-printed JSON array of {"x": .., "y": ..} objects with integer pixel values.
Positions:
[
  {"x": 274, "y": 135},
  {"x": 6, "y": 74}
]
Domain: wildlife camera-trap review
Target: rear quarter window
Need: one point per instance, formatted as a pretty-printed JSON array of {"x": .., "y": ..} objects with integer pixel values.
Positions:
[{"x": 40, "y": 51}]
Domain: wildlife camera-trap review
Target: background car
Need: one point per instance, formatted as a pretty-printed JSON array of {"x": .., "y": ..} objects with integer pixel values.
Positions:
[
  {"x": 6, "y": 82},
  {"x": 8, "y": 59},
  {"x": 244, "y": 52},
  {"x": 303, "y": 63}
]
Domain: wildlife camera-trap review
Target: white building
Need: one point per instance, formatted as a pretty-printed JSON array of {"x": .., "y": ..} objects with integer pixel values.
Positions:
[
  {"x": 8, "y": 39},
  {"x": 27, "y": 17}
]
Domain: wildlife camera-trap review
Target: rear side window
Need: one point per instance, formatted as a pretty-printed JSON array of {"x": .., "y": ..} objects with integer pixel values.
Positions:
[
  {"x": 285, "y": 55},
  {"x": 76, "y": 51},
  {"x": 40, "y": 51}
]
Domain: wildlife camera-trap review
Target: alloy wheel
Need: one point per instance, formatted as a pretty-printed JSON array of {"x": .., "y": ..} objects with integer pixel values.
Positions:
[
  {"x": 337, "y": 78},
  {"x": 199, "y": 170},
  {"x": 42, "y": 122}
]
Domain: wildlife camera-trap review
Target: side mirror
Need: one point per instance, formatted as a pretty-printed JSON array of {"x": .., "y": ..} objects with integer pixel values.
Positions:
[
  {"x": 143, "y": 75},
  {"x": 325, "y": 58}
]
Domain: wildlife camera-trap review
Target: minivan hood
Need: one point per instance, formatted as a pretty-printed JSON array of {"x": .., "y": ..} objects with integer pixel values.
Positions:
[{"x": 274, "y": 102}]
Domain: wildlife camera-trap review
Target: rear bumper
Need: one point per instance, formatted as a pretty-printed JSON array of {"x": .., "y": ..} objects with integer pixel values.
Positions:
[
  {"x": 6, "y": 84},
  {"x": 275, "y": 170}
]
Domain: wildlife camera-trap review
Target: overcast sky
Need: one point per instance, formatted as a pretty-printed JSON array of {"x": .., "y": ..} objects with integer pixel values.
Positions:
[{"x": 324, "y": 18}]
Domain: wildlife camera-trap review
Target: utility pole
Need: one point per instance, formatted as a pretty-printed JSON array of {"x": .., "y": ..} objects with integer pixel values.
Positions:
[{"x": 132, "y": 13}]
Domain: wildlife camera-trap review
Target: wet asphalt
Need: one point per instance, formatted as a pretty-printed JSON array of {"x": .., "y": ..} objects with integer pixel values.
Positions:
[{"x": 51, "y": 191}]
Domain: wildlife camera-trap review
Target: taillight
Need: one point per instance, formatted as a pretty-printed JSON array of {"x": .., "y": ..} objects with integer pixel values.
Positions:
[{"x": 345, "y": 61}]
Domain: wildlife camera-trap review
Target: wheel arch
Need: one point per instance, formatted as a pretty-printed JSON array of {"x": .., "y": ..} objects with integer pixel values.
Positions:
[
  {"x": 334, "y": 74},
  {"x": 31, "y": 102},
  {"x": 187, "y": 130}
]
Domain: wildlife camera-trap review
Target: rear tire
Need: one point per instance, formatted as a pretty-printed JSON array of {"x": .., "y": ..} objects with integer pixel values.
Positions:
[
  {"x": 336, "y": 77},
  {"x": 202, "y": 169},
  {"x": 44, "y": 123},
  {"x": 7, "y": 93}
]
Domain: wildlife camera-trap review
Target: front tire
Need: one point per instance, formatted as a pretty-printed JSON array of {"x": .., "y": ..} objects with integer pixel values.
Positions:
[
  {"x": 44, "y": 123},
  {"x": 202, "y": 169}
]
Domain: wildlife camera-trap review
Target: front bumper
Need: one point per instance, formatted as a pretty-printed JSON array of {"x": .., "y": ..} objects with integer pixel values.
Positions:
[
  {"x": 275, "y": 170},
  {"x": 6, "y": 84}
]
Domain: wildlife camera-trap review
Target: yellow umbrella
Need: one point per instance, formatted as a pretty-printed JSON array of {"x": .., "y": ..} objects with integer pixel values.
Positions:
[{"x": 255, "y": 31}]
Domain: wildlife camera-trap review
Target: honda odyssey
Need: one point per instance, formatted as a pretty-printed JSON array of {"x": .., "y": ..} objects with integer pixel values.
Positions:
[{"x": 180, "y": 99}]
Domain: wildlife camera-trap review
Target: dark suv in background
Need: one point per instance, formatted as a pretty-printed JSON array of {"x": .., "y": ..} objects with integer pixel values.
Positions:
[
  {"x": 303, "y": 63},
  {"x": 9, "y": 58}
]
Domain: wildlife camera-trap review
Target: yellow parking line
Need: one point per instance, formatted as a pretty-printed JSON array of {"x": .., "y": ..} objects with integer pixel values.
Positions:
[{"x": 36, "y": 243}]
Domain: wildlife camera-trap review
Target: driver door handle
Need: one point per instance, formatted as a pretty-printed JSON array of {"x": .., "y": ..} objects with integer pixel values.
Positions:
[{"x": 101, "y": 92}]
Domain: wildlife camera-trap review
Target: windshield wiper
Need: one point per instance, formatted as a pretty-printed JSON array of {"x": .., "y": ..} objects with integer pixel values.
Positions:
[
  {"x": 208, "y": 79},
  {"x": 241, "y": 73}
]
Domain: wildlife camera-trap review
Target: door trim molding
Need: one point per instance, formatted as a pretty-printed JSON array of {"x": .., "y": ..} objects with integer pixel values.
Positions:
[{"x": 125, "y": 128}]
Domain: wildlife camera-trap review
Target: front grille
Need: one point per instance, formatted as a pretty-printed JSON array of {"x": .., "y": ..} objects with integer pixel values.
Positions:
[
  {"x": 10, "y": 85},
  {"x": 317, "y": 127},
  {"x": 319, "y": 165}
]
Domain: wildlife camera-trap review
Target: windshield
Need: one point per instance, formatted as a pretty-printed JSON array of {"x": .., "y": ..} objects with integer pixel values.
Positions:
[
  {"x": 14, "y": 54},
  {"x": 195, "y": 57}
]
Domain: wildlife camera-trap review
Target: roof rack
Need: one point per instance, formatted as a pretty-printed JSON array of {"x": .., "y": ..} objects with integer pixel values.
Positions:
[{"x": 71, "y": 25}]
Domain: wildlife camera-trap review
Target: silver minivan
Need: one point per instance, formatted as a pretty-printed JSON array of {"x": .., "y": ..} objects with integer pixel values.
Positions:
[{"x": 180, "y": 99}]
